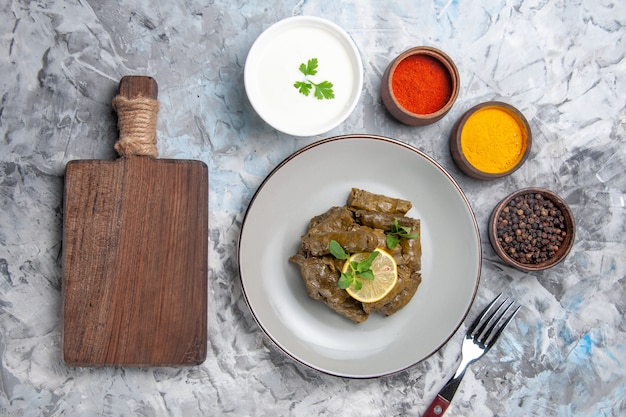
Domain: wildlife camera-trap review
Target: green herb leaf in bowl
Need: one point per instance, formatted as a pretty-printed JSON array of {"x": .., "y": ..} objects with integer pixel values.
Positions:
[{"x": 322, "y": 90}]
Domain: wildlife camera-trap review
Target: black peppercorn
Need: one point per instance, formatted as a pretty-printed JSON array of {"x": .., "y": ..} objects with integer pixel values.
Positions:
[{"x": 530, "y": 229}]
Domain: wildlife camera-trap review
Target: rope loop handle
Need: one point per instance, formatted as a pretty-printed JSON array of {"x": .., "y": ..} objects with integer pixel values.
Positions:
[{"x": 137, "y": 123}]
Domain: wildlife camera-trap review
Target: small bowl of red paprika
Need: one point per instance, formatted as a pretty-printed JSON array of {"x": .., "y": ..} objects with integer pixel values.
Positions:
[{"x": 420, "y": 86}]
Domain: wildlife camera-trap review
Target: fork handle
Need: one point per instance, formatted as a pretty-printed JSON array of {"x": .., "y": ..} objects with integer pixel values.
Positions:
[
  {"x": 437, "y": 407},
  {"x": 444, "y": 396}
]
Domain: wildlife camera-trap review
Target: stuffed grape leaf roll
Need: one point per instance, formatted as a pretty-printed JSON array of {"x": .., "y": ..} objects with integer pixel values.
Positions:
[
  {"x": 359, "y": 239},
  {"x": 361, "y": 199}
]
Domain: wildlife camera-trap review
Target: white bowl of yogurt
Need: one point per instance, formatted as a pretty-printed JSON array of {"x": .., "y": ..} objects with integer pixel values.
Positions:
[{"x": 303, "y": 75}]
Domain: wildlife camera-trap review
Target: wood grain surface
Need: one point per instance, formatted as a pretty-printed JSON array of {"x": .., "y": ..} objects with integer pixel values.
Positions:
[{"x": 135, "y": 243}]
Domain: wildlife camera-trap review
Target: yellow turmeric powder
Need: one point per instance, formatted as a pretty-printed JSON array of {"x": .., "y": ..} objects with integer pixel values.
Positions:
[{"x": 493, "y": 140}]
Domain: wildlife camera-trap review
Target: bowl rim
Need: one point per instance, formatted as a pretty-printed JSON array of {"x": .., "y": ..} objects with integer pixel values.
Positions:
[
  {"x": 455, "y": 141},
  {"x": 570, "y": 226},
  {"x": 444, "y": 59}
]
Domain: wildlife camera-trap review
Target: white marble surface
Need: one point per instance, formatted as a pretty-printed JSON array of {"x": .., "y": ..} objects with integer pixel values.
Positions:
[{"x": 562, "y": 63}]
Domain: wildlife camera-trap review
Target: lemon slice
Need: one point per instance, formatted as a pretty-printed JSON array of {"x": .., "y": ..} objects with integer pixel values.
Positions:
[{"x": 385, "y": 277}]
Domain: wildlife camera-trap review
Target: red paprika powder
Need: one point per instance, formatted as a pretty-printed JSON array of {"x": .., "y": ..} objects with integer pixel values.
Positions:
[{"x": 421, "y": 84}]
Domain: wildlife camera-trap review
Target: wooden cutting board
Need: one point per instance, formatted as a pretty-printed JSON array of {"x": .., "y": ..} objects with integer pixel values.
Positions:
[{"x": 135, "y": 243}]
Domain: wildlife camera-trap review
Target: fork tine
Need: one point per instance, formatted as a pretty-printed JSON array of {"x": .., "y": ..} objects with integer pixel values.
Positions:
[
  {"x": 490, "y": 339},
  {"x": 493, "y": 320},
  {"x": 489, "y": 325},
  {"x": 479, "y": 320}
]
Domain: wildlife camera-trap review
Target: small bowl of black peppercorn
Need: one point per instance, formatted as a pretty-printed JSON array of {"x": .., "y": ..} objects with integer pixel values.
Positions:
[{"x": 532, "y": 229}]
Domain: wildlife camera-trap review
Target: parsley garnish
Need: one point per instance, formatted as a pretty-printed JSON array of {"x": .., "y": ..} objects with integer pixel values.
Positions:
[
  {"x": 323, "y": 90},
  {"x": 356, "y": 270},
  {"x": 397, "y": 232}
]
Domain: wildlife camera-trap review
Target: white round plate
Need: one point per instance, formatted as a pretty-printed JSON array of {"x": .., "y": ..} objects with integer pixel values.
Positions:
[
  {"x": 308, "y": 183},
  {"x": 272, "y": 68}
]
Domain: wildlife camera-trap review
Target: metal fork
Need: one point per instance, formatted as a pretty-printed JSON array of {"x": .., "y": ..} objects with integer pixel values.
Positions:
[{"x": 480, "y": 337}]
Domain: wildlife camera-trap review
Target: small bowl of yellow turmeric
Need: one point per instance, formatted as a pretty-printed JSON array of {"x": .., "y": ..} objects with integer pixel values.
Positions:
[{"x": 491, "y": 140}]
